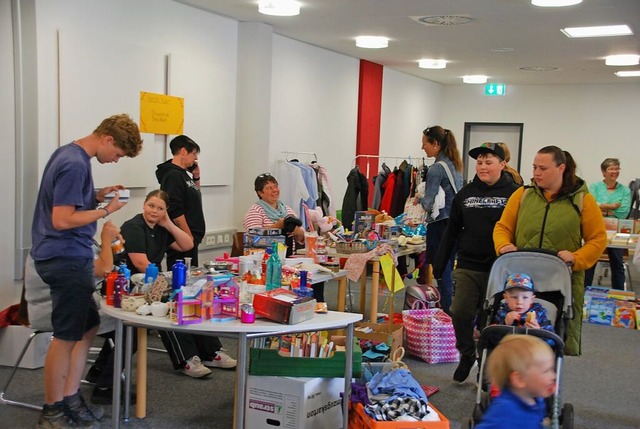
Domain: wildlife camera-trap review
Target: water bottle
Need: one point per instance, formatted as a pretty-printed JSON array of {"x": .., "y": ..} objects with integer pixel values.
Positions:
[
  {"x": 118, "y": 290},
  {"x": 274, "y": 269},
  {"x": 178, "y": 275},
  {"x": 151, "y": 273},
  {"x": 111, "y": 285},
  {"x": 127, "y": 276}
]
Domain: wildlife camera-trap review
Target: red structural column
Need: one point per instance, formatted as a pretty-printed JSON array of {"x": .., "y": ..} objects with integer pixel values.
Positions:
[{"x": 369, "y": 110}]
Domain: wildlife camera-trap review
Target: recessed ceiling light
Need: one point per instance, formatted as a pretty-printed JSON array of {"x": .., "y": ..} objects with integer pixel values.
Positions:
[
  {"x": 372, "y": 42},
  {"x": 279, "y": 7},
  {"x": 429, "y": 63},
  {"x": 474, "y": 78},
  {"x": 598, "y": 31},
  {"x": 630, "y": 73},
  {"x": 501, "y": 50},
  {"x": 622, "y": 60},
  {"x": 554, "y": 3}
]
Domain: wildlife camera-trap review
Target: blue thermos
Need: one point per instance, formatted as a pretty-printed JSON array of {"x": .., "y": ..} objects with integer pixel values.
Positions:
[
  {"x": 178, "y": 275},
  {"x": 151, "y": 273}
]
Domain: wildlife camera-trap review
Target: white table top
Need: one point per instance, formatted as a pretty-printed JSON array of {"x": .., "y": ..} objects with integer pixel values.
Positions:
[{"x": 331, "y": 320}]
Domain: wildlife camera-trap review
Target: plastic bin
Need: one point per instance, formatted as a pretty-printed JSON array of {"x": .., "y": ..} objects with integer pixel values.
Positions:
[
  {"x": 358, "y": 419},
  {"x": 269, "y": 362}
]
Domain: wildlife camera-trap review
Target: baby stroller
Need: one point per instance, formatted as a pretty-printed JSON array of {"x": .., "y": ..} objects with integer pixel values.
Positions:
[{"x": 552, "y": 280}]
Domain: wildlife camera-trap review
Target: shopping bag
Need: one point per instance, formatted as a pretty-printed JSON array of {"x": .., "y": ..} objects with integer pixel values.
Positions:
[
  {"x": 415, "y": 213},
  {"x": 429, "y": 334}
]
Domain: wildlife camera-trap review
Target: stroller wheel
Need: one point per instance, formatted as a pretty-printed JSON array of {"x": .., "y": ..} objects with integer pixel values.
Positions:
[
  {"x": 485, "y": 399},
  {"x": 467, "y": 423},
  {"x": 566, "y": 418}
]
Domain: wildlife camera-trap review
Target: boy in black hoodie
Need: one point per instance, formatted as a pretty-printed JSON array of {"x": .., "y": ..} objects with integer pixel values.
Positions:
[{"x": 474, "y": 213}]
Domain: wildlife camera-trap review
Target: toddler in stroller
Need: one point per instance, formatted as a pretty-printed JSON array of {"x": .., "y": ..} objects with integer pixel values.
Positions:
[
  {"x": 519, "y": 308},
  {"x": 552, "y": 280}
]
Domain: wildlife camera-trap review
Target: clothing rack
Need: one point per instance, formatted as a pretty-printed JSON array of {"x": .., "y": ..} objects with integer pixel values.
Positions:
[
  {"x": 409, "y": 159},
  {"x": 287, "y": 154}
]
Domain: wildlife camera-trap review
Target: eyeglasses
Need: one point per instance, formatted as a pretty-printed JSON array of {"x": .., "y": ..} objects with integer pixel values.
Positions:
[
  {"x": 613, "y": 169},
  {"x": 426, "y": 131}
]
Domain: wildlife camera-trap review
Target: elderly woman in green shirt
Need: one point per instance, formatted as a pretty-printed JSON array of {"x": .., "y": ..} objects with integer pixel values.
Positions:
[{"x": 614, "y": 199}]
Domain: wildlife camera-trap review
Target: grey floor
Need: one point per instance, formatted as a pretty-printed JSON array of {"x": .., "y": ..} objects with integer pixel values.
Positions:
[{"x": 602, "y": 385}]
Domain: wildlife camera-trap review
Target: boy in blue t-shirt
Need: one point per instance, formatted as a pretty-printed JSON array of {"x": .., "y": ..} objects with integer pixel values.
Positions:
[
  {"x": 518, "y": 308},
  {"x": 523, "y": 367}
]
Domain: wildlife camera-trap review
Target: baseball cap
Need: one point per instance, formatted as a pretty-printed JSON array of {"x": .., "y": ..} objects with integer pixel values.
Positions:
[
  {"x": 519, "y": 281},
  {"x": 493, "y": 148}
]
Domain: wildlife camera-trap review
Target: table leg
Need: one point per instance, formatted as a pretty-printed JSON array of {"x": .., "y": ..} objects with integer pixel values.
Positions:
[
  {"x": 342, "y": 293},
  {"x": 375, "y": 283},
  {"x": 128, "y": 351},
  {"x": 141, "y": 380},
  {"x": 363, "y": 291},
  {"x": 348, "y": 350},
  {"x": 241, "y": 381},
  {"x": 117, "y": 379}
]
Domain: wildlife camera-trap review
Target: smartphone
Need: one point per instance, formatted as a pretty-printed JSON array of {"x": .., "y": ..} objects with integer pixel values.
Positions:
[{"x": 193, "y": 167}]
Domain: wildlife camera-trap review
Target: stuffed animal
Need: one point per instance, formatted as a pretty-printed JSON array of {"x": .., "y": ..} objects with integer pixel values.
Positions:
[{"x": 323, "y": 223}]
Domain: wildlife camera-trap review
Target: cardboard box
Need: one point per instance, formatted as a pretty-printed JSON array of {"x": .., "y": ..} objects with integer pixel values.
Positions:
[
  {"x": 363, "y": 220},
  {"x": 293, "y": 403},
  {"x": 261, "y": 241},
  {"x": 391, "y": 334},
  {"x": 284, "y": 306},
  {"x": 12, "y": 340}
]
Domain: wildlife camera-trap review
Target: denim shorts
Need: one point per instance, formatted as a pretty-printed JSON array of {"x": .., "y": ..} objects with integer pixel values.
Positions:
[{"x": 71, "y": 282}]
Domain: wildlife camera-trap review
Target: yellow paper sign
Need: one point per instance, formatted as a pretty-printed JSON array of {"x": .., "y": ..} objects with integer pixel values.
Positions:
[
  {"x": 386, "y": 262},
  {"x": 161, "y": 114}
]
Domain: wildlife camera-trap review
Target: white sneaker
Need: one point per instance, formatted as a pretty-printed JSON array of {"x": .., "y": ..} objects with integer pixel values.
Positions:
[
  {"x": 194, "y": 368},
  {"x": 221, "y": 360}
]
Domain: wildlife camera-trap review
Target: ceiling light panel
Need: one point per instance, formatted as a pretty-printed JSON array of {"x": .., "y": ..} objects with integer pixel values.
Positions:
[
  {"x": 598, "y": 31},
  {"x": 630, "y": 73},
  {"x": 429, "y": 63},
  {"x": 622, "y": 60},
  {"x": 372, "y": 42},
  {"x": 279, "y": 7},
  {"x": 555, "y": 3},
  {"x": 474, "y": 78}
]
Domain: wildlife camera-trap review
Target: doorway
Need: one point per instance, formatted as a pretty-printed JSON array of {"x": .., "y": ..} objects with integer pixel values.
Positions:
[{"x": 476, "y": 133}]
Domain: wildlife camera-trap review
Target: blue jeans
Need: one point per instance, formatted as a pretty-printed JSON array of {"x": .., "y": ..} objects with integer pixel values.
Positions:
[{"x": 435, "y": 231}]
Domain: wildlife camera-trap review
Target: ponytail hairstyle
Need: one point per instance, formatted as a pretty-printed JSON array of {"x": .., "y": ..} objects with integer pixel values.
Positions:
[
  {"x": 569, "y": 178},
  {"x": 447, "y": 142},
  {"x": 517, "y": 179}
]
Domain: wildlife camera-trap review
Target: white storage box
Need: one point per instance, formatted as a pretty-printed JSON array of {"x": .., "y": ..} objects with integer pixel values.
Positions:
[
  {"x": 293, "y": 403},
  {"x": 12, "y": 340}
]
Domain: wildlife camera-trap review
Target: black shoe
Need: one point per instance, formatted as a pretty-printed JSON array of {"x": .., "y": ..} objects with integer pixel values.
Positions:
[
  {"x": 83, "y": 414},
  {"x": 92, "y": 375},
  {"x": 104, "y": 396},
  {"x": 464, "y": 368}
]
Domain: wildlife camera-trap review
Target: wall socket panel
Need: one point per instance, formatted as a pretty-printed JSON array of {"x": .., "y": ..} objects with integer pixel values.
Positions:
[{"x": 218, "y": 239}]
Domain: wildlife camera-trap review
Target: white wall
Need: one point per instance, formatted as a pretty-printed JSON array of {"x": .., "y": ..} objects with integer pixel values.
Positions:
[
  {"x": 409, "y": 105},
  {"x": 592, "y": 122},
  {"x": 9, "y": 289},
  {"x": 314, "y": 107}
]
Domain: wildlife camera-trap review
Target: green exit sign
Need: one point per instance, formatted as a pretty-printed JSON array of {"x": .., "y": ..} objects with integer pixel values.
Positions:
[{"x": 495, "y": 89}]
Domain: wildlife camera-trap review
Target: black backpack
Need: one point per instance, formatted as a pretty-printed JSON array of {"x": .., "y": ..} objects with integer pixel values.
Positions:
[{"x": 634, "y": 186}]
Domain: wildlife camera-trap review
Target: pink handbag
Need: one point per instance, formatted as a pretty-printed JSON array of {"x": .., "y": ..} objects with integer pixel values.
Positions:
[{"x": 429, "y": 334}]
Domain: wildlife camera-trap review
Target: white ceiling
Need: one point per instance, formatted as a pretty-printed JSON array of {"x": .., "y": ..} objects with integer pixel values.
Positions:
[{"x": 533, "y": 34}]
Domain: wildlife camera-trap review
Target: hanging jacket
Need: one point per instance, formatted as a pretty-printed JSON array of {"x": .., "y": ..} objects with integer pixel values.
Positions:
[{"x": 355, "y": 198}]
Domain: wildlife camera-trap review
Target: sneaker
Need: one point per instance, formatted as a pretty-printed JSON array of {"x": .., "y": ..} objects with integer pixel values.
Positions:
[
  {"x": 83, "y": 414},
  {"x": 464, "y": 368},
  {"x": 54, "y": 417},
  {"x": 104, "y": 396},
  {"x": 194, "y": 368},
  {"x": 221, "y": 360}
]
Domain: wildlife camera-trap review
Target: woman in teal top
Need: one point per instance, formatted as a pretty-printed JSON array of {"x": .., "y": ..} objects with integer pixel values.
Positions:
[{"x": 614, "y": 199}]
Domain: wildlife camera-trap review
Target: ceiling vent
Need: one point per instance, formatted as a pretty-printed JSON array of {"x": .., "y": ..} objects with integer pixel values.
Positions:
[
  {"x": 539, "y": 68},
  {"x": 442, "y": 20}
]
